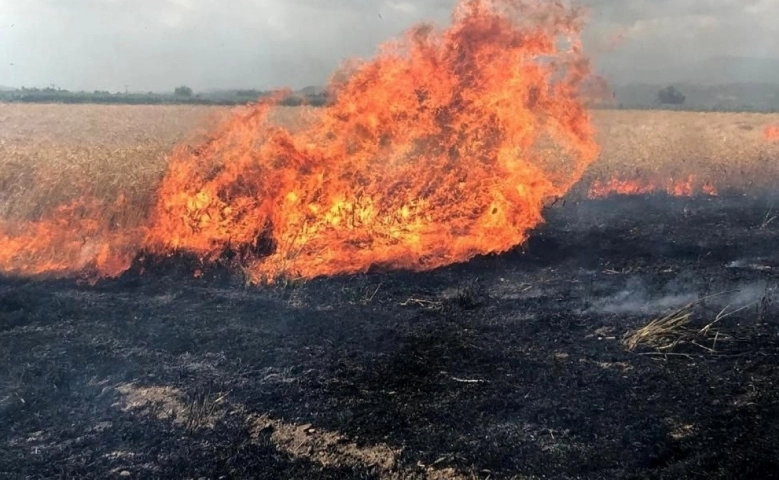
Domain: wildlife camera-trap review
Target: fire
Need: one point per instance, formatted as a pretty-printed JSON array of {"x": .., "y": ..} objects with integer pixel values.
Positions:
[
  {"x": 445, "y": 146},
  {"x": 709, "y": 189},
  {"x": 686, "y": 187},
  {"x": 77, "y": 237},
  {"x": 771, "y": 133}
]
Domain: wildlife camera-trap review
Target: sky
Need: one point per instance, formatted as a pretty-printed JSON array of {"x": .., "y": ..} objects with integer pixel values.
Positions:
[{"x": 155, "y": 45}]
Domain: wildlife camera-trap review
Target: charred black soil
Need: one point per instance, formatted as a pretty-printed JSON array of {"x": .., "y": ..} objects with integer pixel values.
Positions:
[{"x": 510, "y": 366}]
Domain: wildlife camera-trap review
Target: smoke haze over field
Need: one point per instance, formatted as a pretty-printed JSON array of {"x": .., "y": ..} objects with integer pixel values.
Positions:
[{"x": 157, "y": 44}]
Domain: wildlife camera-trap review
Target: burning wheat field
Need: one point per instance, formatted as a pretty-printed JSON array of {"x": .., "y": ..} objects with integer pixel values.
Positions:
[{"x": 454, "y": 269}]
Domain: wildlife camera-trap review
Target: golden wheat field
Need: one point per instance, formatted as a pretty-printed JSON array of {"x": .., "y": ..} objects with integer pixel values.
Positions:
[
  {"x": 50, "y": 154},
  {"x": 728, "y": 149}
]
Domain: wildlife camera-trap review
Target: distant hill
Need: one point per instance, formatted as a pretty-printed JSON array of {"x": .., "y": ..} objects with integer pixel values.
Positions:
[
  {"x": 720, "y": 70},
  {"x": 3, "y": 88},
  {"x": 313, "y": 90}
]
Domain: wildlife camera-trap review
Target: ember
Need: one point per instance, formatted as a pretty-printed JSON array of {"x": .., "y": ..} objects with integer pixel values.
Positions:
[
  {"x": 771, "y": 133},
  {"x": 676, "y": 188}
]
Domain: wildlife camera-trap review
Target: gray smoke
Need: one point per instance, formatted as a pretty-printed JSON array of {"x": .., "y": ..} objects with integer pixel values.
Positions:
[
  {"x": 158, "y": 44},
  {"x": 640, "y": 299}
]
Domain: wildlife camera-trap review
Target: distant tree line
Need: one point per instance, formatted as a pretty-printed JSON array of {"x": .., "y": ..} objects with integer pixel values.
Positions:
[
  {"x": 180, "y": 95},
  {"x": 726, "y": 98}
]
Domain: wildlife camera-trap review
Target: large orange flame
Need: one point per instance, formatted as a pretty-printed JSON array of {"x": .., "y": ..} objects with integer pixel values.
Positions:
[
  {"x": 443, "y": 147},
  {"x": 79, "y": 238}
]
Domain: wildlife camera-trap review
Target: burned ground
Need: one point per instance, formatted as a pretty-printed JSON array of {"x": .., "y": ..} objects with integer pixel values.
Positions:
[{"x": 507, "y": 366}]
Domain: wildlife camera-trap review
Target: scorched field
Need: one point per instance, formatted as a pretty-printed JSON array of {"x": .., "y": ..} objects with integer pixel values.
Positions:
[
  {"x": 512, "y": 364},
  {"x": 453, "y": 270}
]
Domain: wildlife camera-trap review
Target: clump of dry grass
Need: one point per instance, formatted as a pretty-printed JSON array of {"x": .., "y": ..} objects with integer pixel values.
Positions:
[{"x": 664, "y": 333}]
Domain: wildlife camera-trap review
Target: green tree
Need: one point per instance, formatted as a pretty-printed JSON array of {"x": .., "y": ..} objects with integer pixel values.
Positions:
[
  {"x": 183, "y": 91},
  {"x": 670, "y": 96}
]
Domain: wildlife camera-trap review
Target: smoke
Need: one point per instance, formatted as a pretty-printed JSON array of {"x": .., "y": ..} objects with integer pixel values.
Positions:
[
  {"x": 639, "y": 297},
  {"x": 156, "y": 44},
  {"x": 748, "y": 294},
  {"x": 636, "y": 298}
]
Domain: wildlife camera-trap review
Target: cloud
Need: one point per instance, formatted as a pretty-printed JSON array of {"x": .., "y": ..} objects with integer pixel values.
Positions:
[{"x": 158, "y": 44}]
